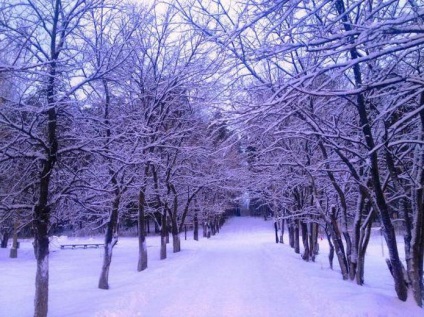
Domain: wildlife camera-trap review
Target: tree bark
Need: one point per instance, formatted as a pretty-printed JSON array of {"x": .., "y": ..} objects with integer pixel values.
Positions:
[
  {"x": 196, "y": 227},
  {"x": 282, "y": 230},
  {"x": 205, "y": 234},
  {"x": 356, "y": 235},
  {"x": 313, "y": 240},
  {"x": 163, "y": 237},
  {"x": 41, "y": 250},
  {"x": 5, "y": 238},
  {"x": 14, "y": 249},
  {"x": 331, "y": 253},
  {"x": 338, "y": 244},
  {"x": 290, "y": 228},
  {"x": 305, "y": 240},
  {"x": 296, "y": 236},
  {"x": 111, "y": 238},
  {"x": 208, "y": 230},
  {"x": 42, "y": 209},
  {"x": 142, "y": 247},
  {"x": 276, "y": 231}
]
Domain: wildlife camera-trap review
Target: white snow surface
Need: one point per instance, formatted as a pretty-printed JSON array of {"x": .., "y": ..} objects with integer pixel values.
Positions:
[{"x": 239, "y": 272}]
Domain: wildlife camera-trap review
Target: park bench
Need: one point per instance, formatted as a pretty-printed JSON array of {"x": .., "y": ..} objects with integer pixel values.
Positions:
[{"x": 81, "y": 245}]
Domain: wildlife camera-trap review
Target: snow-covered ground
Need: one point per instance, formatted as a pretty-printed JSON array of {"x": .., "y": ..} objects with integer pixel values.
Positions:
[{"x": 239, "y": 272}]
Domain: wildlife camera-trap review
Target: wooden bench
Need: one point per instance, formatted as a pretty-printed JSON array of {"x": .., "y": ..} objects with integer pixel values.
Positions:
[{"x": 81, "y": 245}]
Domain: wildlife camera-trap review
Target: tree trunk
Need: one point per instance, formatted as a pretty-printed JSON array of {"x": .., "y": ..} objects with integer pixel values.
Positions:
[
  {"x": 111, "y": 238},
  {"x": 305, "y": 240},
  {"x": 196, "y": 227},
  {"x": 313, "y": 240},
  {"x": 208, "y": 230},
  {"x": 42, "y": 280},
  {"x": 296, "y": 237},
  {"x": 364, "y": 238},
  {"x": 142, "y": 247},
  {"x": 213, "y": 226},
  {"x": 290, "y": 228},
  {"x": 176, "y": 243},
  {"x": 282, "y": 231},
  {"x": 41, "y": 250},
  {"x": 14, "y": 249},
  {"x": 331, "y": 253},
  {"x": 5, "y": 239},
  {"x": 167, "y": 232},
  {"x": 41, "y": 221},
  {"x": 356, "y": 235},
  {"x": 163, "y": 237},
  {"x": 338, "y": 244},
  {"x": 276, "y": 231}
]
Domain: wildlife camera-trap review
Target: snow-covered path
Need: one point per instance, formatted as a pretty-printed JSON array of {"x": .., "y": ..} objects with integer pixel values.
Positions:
[
  {"x": 239, "y": 272},
  {"x": 231, "y": 276},
  {"x": 243, "y": 272}
]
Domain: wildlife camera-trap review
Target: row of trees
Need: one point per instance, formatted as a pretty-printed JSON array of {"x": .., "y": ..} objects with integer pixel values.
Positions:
[
  {"x": 103, "y": 112},
  {"x": 330, "y": 100}
]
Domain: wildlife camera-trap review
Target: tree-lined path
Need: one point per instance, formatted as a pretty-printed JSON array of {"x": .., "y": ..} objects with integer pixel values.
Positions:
[{"x": 122, "y": 118}]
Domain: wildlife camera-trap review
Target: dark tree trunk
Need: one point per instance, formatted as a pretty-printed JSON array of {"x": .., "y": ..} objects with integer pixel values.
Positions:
[
  {"x": 157, "y": 228},
  {"x": 296, "y": 237},
  {"x": 331, "y": 253},
  {"x": 111, "y": 238},
  {"x": 282, "y": 231},
  {"x": 205, "y": 234},
  {"x": 365, "y": 234},
  {"x": 167, "y": 231},
  {"x": 338, "y": 244},
  {"x": 313, "y": 241},
  {"x": 142, "y": 247},
  {"x": 41, "y": 249},
  {"x": 5, "y": 239},
  {"x": 14, "y": 249},
  {"x": 208, "y": 230},
  {"x": 211, "y": 227},
  {"x": 276, "y": 231},
  {"x": 290, "y": 228},
  {"x": 176, "y": 242},
  {"x": 196, "y": 227},
  {"x": 42, "y": 211},
  {"x": 305, "y": 240},
  {"x": 356, "y": 235},
  {"x": 163, "y": 236}
]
